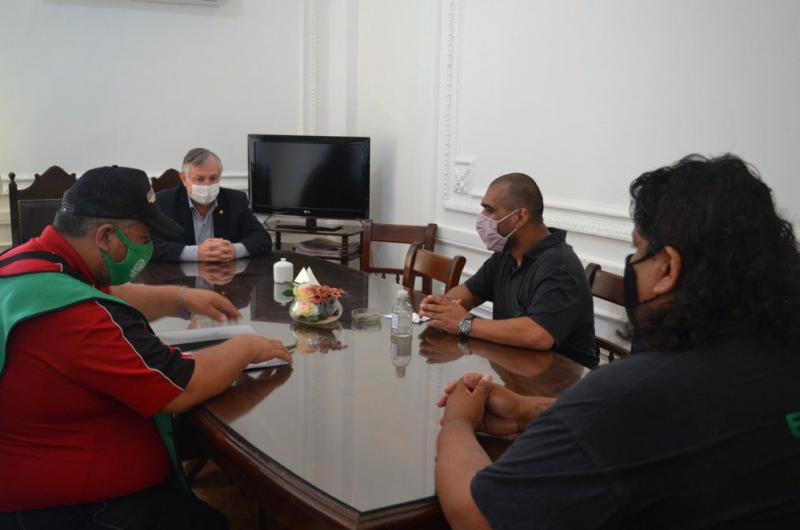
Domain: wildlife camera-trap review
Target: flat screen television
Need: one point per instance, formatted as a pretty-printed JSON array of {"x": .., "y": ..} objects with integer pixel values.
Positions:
[{"x": 309, "y": 176}]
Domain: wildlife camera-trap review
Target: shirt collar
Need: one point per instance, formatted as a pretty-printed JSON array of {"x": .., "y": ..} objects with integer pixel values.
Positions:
[
  {"x": 555, "y": 238},
  {"x": 52, "y": 241},
  {"x": 211, "y": 207}
]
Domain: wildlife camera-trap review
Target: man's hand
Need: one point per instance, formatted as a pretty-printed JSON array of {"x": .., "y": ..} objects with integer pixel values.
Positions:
[
  {"x": 263, "y": 349},
  {"x": 216, "y": 249},
  {"x": 507, "y": 413},
  {"x": 444, "y": 313},
  {"x": 210, "y": 304},
  {"x": 218, "y": 273},
  {"x": 465, "y": 405}
]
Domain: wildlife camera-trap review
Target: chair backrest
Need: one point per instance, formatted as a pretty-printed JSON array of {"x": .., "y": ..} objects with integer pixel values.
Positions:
[
  {"x": 35, "y": 207},
  {"x": 168, "y": 179},
  {"x": 421, "y": 262},
  {"x": 607, "y": 286},
  {"x": 389, "y": 233}
]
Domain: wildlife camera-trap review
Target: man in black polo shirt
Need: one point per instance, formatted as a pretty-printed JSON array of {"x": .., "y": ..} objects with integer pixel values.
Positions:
[
  {"x": 699, "y": 429},
  {"x": 541, "y": 297}
]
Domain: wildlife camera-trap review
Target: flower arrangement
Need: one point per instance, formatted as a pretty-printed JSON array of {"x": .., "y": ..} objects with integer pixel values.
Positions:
[{"x": 316, "y": 304}]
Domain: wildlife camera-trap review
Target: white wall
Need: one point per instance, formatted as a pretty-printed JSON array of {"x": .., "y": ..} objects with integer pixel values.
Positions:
[{"x": 89, "y": 82}]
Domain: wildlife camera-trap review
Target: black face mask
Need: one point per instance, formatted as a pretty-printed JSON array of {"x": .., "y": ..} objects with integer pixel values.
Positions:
[{"x": 630, "y": 291}]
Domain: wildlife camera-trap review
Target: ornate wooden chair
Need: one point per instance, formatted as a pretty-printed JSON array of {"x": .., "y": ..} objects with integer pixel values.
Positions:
[
  {"x": 431, "y": 266},
  {"x": 168, "y": 179},
  {"x": 35, "y": 207},
  {"x": 607, "y": 286},
  {"x": 389, "y": 233}
]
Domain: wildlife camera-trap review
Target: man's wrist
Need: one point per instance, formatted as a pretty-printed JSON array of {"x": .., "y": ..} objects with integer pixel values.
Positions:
[
  {"x": 190, "y": 253},
  {"x": 531, "y": 408},
  {"x": 457, "y": 424},
  {"x": 181, "y": 302},
  {"x": 245, "y": 345},
  {"x": 465, "y": 326}
]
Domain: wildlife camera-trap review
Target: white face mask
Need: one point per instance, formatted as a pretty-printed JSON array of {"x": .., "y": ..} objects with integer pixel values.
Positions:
[{"x": 204, "y": 195}]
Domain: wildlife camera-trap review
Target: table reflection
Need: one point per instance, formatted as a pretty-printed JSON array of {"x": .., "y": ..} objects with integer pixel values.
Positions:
[{"x": 356, "y": 415}]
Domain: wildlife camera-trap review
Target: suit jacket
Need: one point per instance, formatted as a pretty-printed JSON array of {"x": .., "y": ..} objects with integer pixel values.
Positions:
[{"x": 233, "y": 220}]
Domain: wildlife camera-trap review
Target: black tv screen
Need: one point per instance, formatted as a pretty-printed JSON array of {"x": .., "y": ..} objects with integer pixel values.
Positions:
[{"x": 310, "y": 176}]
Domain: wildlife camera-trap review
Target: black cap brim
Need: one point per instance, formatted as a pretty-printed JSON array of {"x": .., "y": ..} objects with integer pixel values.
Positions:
[{"x": 163, "y": 224}]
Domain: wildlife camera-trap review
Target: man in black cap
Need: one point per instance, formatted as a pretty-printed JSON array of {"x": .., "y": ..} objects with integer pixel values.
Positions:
[{"x": 86, "y": 388}]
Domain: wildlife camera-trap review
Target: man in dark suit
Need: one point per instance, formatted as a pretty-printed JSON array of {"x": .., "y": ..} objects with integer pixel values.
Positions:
[{"x": 218, "y": 224}]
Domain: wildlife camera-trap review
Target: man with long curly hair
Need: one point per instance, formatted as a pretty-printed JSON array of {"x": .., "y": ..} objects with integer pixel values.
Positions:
[{"x": 700, "y": 428}]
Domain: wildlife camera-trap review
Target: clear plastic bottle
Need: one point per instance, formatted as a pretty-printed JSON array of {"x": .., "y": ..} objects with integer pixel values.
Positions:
[{"x": 401, "y": 315}]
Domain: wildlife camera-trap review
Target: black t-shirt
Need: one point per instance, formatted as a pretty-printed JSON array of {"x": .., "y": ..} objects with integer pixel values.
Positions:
[
  {"x": 695, "y": 439},
  {"x": 550, "y": 287}
]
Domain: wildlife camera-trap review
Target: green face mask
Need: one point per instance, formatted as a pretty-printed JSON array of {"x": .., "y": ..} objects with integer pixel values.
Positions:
[{"x": 132, "y": 264}]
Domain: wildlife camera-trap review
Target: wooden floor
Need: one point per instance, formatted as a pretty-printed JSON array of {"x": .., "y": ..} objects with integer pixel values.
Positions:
[{"x": 214, "y": 487}]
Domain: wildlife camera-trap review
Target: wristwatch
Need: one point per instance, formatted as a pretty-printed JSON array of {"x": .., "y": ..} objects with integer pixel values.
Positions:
[{"x": 465, "y": 326}]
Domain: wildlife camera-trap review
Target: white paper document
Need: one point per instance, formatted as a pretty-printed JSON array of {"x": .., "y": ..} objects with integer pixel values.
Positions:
[
  {"x": 415, "y": 318},
  {"x": 272, "y": 363},
  {"x": 193, "y": 336}
]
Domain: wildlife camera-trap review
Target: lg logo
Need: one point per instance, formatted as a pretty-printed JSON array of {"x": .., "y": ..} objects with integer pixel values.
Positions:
[{"x": 307, "y": 211}]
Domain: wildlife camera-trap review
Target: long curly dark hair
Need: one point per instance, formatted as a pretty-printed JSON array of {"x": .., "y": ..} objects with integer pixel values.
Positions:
[{"x": 740, "y": 260}]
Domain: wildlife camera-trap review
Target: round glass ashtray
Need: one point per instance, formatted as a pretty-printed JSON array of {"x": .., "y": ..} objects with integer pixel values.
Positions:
[{"x": 365, "y": 317}]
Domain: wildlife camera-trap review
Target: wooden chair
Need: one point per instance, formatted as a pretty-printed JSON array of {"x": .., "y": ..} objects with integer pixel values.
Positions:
[
  {"x": 168, "y": 179},
  {"x": 388, "y": 233},
  {"x": 433, "y": 266},
  {"x": 35, "y": 207},
  {"x": 607, "y": 286}
]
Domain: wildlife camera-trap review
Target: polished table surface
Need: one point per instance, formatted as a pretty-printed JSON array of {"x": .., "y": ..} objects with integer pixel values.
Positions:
[{"x": 346, "y": 438}]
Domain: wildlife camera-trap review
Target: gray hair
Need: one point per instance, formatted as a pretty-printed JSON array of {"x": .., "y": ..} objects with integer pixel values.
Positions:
[
  {"x": 72, "y": 225},
  {"x": 197, "y": 157}
]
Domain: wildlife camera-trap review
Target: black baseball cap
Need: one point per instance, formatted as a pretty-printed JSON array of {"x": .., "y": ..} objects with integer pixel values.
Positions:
[{"x": 118, "y": 193}]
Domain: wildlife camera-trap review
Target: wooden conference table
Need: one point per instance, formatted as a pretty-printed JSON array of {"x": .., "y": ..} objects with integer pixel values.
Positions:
[{"x": 346, "y": 438}]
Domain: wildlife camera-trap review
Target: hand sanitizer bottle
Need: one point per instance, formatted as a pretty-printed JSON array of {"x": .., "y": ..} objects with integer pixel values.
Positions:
[
  {"x": 401, "y": 315},
  {"x": 282, "y": 271}
]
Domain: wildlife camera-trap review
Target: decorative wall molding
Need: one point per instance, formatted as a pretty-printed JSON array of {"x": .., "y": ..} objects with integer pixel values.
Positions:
[
  {"x": 597, "y": 220},
  {"x": 448, "y": 93},
  {"x": 311, "y": 66},
  {"x": 468, "y": 241},
  {"x": 462, "y": 174}
]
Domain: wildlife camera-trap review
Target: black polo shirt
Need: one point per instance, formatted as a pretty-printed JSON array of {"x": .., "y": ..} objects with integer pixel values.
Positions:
[
  {"x": 550, "y": 287},
  {"x": 698, "y": 439}
]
